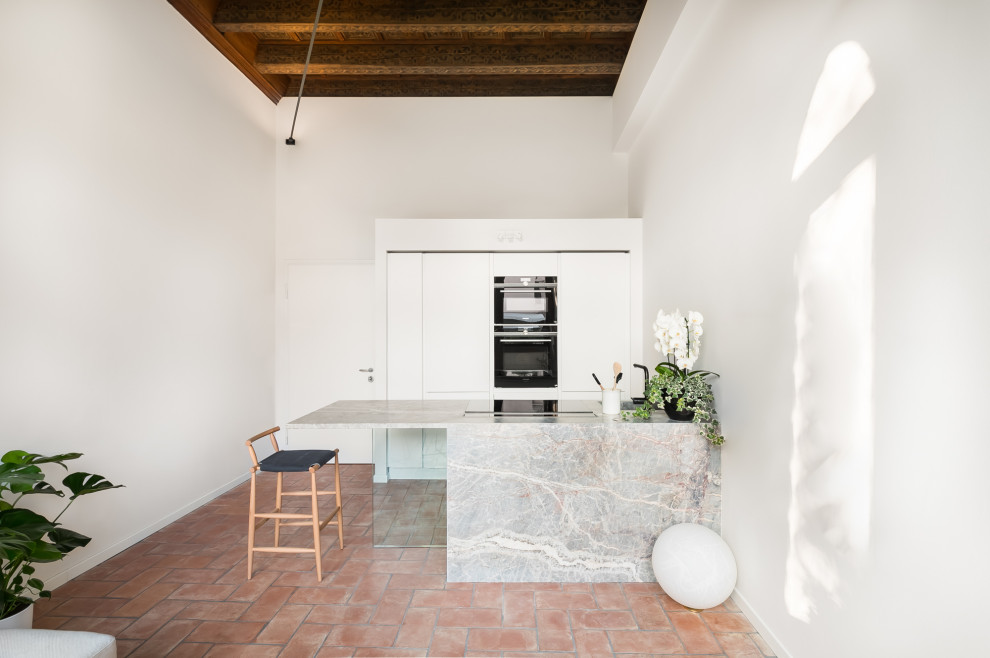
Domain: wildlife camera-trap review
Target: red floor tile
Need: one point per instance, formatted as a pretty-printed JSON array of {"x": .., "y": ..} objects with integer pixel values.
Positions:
[
  {"x": 226, "y": 631},
  {"x": 518, "y": 608},
  {"x": 650, "y": 642},
  {"x": 502, "y": 639},
  {"x": 694, "y": 633},
  {"x": 727, "y": 622},
  {"x": 738, "y": 645},
  {"x": 284, "y": 625},
  {"x": 470, "y": 617},
  {"x": 449, "y": 642}
]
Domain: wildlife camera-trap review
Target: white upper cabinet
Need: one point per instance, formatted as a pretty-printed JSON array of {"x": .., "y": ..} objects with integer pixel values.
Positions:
[
  {"x": 457, "y": 322},
  {"x": 405, "y": 327},
  {"x": 525, "y": 264},
  {"x": 593, "y": 297}
]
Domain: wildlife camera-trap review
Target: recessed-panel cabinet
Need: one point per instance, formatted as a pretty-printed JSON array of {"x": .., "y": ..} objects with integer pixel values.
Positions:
[
  {"x": 405, "y": 326},
  {"x": 457, "y": 311},
  {"x": 593, "y": 307}
]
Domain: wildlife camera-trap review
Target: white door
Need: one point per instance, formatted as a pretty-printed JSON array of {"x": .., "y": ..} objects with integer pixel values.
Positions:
[{"x": 331, "y": 339}]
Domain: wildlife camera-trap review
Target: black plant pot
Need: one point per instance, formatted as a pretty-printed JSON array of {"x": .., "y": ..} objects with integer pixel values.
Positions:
[{"x": 670, "y": 408}]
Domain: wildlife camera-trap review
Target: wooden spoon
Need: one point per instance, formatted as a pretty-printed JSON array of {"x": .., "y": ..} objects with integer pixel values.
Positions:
[{"x": 616, "y": 369}]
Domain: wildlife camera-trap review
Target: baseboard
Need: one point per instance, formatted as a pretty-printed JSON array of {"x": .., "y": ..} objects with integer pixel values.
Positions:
[
  {"x": 416, "y": 473},
  {"x": 81, "y": 567},
  {"x": 759, "y": 625}
]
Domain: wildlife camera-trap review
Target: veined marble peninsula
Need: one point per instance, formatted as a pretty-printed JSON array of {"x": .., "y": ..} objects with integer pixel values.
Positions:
[{"x": 562, "y": 499}]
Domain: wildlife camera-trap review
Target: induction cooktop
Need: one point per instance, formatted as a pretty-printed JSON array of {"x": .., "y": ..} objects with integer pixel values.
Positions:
[{"x": 530, "y": 408}]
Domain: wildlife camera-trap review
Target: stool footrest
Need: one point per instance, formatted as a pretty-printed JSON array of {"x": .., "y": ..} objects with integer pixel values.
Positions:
[
  {"x": 324, "y": 522},
  {"x": 282, "y": 549}
]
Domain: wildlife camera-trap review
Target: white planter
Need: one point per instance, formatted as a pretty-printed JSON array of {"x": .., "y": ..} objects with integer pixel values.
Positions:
[{"x": 23, "y": 619}]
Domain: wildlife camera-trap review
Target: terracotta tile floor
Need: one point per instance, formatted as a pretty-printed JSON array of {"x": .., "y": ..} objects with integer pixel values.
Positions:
[{"x": 184, "y": 592}]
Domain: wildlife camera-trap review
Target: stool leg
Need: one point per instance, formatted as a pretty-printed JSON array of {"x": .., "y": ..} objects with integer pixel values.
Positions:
[
  {"x": 251, "y": 521},
  {"x": 316, "y": 524},
  {"x": 278, "y": 505},
  {"x": 340, "y": 504}
]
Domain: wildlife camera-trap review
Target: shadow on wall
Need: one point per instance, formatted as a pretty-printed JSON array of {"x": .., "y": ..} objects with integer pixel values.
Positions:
[{"x": 832, "y": 419}]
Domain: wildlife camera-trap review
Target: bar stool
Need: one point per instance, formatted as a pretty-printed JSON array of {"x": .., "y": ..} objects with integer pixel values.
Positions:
[{"x": 292, "y": 461}]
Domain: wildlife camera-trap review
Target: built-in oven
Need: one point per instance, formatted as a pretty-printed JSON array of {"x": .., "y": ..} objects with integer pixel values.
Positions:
[
  {"x": 525, "y": 332},
  {"x": 525, "y": 303},
  {"x": 525, "y": 360}
]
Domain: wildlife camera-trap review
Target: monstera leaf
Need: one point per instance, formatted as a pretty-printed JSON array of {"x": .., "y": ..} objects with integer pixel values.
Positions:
[
  {"x": 66, "y": 540},
  {"x": 81, "y": 484},
  {"x": 27, "y": 523},
  {"x": 12, "y": 543}
]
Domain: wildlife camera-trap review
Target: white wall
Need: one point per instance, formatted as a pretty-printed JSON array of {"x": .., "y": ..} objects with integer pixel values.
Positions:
[
  {"x": 358, "y": 159},
  {"x": 856, "y": 518},
  {"x": 136, "y": 258}
]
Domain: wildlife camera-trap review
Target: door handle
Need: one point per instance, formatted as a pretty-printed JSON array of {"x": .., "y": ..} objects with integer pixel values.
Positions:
[
  {"x": 525, "y": 340},
  {"x": 366, "y": 369}
]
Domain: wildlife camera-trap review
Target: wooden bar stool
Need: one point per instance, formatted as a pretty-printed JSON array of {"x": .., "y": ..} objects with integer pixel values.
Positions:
[{"x": 292, "y": 461}]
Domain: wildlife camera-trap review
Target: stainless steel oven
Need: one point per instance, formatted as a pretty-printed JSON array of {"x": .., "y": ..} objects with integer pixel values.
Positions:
[
  {"x": 525, "y": 360},
  {"x": 525, "y": 303}
]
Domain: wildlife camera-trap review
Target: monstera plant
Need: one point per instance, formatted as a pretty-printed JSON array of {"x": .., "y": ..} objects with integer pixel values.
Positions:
[{"x": 27, "y": 537}]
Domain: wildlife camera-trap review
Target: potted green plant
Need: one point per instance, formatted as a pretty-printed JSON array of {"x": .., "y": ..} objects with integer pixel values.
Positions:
[
  {"x": 27, "y": 537},
  {"x": 683, "y": 393}
]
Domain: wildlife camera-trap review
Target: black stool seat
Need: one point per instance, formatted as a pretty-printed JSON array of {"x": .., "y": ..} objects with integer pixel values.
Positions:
[{"x": 293, "y": 461}]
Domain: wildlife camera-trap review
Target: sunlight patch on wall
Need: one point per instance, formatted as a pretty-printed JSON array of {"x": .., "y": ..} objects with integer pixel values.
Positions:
[
  {"x": 843, "y": 88},
  {"x": 832, "y": 419}
]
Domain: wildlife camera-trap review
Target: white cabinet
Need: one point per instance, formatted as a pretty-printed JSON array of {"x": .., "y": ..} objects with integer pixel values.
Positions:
[
  {"x": 405, "y": 327},
  {"x": 524, "y": 264},
  {"x": 457, "y": 321},
  {"x": 593, "y": 314}
]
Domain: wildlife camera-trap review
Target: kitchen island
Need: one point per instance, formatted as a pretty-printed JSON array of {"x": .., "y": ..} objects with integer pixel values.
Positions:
[{"x": 572, "y": 498}]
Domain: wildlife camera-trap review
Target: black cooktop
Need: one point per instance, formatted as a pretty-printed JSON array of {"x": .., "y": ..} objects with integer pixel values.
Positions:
[{"x": 529, "y": 407}]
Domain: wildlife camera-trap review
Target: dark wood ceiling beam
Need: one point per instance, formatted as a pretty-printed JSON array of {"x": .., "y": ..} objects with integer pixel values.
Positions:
[
  {"x": 491, "y": 29},
  {"x": 249, "y": 15},
  {"x": 454, "y": 86},
  {"x": 477, "y": 59},
  {"x": 200, "y": 14}
]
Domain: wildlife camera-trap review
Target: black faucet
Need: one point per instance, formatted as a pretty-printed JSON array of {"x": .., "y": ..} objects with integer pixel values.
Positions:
[{"x": 646, "y": 378}]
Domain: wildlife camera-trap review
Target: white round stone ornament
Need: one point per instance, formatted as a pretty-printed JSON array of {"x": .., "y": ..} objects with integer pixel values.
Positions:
[{"x": 694, "y": 566}]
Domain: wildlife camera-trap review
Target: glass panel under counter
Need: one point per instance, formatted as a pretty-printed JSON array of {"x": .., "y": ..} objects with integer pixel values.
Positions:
[{"x": 409, "y": 509}]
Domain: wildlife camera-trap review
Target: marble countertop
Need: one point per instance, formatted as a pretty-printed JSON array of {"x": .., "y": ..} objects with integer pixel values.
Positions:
[{"x": 426, "y": 414}]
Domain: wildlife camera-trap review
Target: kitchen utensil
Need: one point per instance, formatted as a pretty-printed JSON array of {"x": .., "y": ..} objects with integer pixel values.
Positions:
[
  {"x": 617, "y": 380},
  {"x": 597, "y": 382},
  {"x": 616, "y": 369}
]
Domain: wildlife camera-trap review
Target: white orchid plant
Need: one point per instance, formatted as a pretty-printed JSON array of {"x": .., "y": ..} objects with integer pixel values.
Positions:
[
  {"x": 679, "y": 337},
  {"x": 679, "y": 342}
]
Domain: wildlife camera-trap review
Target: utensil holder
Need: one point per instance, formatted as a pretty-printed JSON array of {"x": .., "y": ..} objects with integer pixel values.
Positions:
[{"x": 611, "y": 401}]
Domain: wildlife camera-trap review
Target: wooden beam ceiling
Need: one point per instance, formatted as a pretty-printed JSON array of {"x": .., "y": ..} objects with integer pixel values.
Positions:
[{"x": 423, "y": 48}]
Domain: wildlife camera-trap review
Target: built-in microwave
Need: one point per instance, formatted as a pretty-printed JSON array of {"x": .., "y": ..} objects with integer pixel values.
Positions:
[
  {"x": 525, "y": 360},
  {"x": 525, "y": 303}
]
